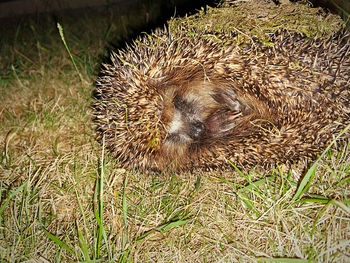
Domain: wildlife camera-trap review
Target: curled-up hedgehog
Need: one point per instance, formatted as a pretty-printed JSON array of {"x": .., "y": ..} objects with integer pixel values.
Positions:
[{"x": 189, "y": 103}]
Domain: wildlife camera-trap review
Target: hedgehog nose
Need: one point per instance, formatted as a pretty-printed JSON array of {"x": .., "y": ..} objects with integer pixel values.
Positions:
[{"x": 196, "y": 130}]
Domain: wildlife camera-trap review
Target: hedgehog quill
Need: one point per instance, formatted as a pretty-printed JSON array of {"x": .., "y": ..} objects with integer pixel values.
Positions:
[{"x": 185, "y": 102}]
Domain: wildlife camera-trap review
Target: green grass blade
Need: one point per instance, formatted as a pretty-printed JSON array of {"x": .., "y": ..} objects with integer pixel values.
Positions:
[
  {"x": 319, "y": 216},
  {"x": 249, "y": 204},
  {"x": 98, "y": 200},
  {"x": 59, "y": 242},
  {"x": 239, "y": 171},
  {"x": 82, "y": 243},
  {"x": 283, "y": 189},
  {"x": 12, "y": 195},
  {"x": 255, "y": 184},
  {"x": 175, "y": 224},
  {"x": 60, "y": 30},
  {"x": 125, "y": 214},
  {"x": 165, "y": 226},
  {"x": 98, "y": 220},
  {"x": 308, "y": 177},
  {"x": 314, "y": 200}
]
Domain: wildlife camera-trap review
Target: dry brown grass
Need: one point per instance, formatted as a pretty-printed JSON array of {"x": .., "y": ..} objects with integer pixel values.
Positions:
[{"x": 50, "y": 165}]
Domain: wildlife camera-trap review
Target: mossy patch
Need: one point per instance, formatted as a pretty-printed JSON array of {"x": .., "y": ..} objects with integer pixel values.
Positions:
[{"x": 242, "y": 20}]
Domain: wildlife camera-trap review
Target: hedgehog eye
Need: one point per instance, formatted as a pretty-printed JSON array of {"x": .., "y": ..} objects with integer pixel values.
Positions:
[{"x": 179, "y": 104}]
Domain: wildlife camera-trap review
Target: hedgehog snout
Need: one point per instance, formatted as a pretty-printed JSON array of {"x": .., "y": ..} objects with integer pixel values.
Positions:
[
  {"x": 185, "y": 129},
  {"x": 186, "y": 125},
  {"x": 196, "y": 130}
]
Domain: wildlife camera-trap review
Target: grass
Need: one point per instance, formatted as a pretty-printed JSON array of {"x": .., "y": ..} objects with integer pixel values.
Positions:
[{"x": 65, "y": 200}]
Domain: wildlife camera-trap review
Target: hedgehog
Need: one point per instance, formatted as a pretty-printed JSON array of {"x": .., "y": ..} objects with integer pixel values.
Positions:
[{"x": 174, "y": 102}]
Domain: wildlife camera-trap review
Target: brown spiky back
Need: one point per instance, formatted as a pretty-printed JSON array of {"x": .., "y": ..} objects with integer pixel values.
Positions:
[{"x": 297, "y": 93}]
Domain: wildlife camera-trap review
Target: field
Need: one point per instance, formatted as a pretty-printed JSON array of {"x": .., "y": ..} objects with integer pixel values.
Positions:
[{"x": 63, "y": 199}]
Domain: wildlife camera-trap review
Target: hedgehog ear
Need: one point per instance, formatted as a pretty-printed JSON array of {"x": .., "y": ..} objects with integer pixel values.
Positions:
[
  {"x": 228, "y": 99},
  {"x": 224, "y": 118}
]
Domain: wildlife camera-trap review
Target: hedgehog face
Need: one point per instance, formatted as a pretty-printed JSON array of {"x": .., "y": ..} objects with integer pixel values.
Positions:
[
  {"x": 186, "y": 124},
  {"x": 197, "y": 115}
]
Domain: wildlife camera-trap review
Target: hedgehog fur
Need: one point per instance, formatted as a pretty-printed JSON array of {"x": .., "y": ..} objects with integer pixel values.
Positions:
[{"x": 188, "y": 103}]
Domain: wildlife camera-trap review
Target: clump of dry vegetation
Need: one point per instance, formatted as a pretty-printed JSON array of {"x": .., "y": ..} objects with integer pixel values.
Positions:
[
  {"x": 258, "y": 19},
  {"x": 64, "y": 199}
]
